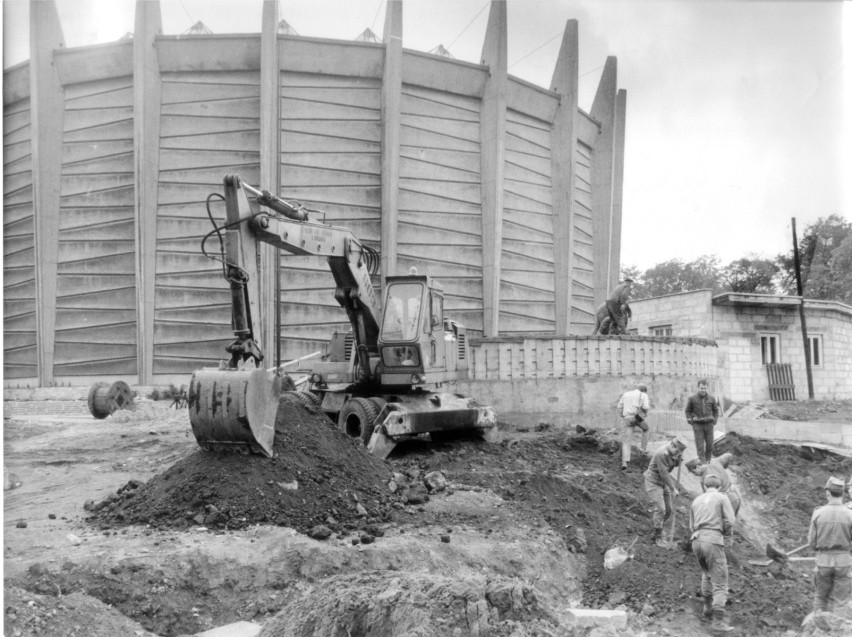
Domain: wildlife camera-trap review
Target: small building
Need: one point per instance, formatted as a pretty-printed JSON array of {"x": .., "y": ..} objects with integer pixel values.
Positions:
[{"x": 754, "y": 331}]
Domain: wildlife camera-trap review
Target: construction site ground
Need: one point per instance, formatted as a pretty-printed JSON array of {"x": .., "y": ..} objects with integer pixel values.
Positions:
[{"x": 123, "y": 526}]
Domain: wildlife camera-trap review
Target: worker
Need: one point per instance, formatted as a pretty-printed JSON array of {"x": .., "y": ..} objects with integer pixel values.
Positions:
[
  {"x": 702, "y": 412},
  {"x": 617, "y": 306},
  {"x": 711, "y": 528},
  {"x": 830, "y": 535},
  {"x": 719, "y": 467},
  {"x": 660, "y": 485},
  {"x": 632, "y": 408}
]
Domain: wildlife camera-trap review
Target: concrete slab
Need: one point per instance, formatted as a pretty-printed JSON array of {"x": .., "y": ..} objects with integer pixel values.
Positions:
[
  {"x": 587, "y": 617},
  {"x": 237, "y": 629}
]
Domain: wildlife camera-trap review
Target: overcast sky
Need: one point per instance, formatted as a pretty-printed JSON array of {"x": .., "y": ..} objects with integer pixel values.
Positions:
[{"x": 735, "y": 110}]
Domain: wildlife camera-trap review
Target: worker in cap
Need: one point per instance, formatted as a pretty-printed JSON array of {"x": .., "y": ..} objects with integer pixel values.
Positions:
[
  {"x": 711, "y": 527},
  {"x": 632, "y": 408},
  {"x": 719, "y": 467},
  {"x": 830, "y": 535},
  {"x": 660, "y": 485},
  {"x": 618, "y": 307},
  {"x": 702, "y": 412}
]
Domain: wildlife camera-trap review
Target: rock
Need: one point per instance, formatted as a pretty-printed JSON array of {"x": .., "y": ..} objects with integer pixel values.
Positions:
[
  {"x": 417, "y": 498},
  {"x": 76, "y": 541},
  {"x": 587, "y": 617},
  {"x": 392, "y": 486},
  {"x": 435, "y": 481},
  {"x": 366, "y": 538},
  {"x": 51, "y": 516},
  {"x": 361, "y": 510},
  {"x": 647, "y": 610},
  {"x": 445, "y": 539},
  {"x": 355, "y": 541},
  {"x": 616, "y": 598},
  {"x": 22, "y": 524},
  {"x": 398, "y": 478},
  {"x": 320, "y": 532}
]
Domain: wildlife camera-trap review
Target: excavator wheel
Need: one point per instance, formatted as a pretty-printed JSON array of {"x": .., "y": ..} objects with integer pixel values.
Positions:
[
  {"x": 357, "y": 418},
  {"x": 308, "y": 399}
]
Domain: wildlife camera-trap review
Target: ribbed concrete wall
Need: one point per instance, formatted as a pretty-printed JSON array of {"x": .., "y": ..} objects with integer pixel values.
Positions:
[{"x": 455, "y": 168}]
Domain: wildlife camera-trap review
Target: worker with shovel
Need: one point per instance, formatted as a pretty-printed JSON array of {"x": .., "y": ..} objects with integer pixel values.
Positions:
[
  {"x": 830, "y": 535},
  {"x": 711, "y": 527},
  {"x": 660, "y": 485},
  {"x": 719, "y": 467}
]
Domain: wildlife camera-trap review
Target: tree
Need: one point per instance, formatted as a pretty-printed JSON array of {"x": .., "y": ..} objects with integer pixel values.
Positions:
[
  {"x": 675, "y": 276},
  {"x": 823, "y": 275},
  {"x": 750, "y": 274}
]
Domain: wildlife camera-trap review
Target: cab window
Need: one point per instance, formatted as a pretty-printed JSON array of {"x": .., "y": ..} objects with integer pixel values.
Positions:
[{"x": 402, "y": 312}]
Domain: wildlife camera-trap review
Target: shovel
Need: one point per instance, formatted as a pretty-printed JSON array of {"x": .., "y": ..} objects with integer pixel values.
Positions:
[
  {"x": 617, "y": 556},
  {"x": 775, "y": 555}
]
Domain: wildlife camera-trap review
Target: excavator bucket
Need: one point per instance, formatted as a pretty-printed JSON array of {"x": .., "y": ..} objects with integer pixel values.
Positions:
[{"x": 234, "y": 409}]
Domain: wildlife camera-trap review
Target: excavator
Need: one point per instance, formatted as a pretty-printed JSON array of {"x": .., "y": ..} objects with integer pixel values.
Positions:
[{"x": 381, "y": 381}]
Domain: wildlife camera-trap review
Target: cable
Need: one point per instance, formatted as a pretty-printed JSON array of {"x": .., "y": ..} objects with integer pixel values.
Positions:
[
  {"x": 376, "y": 17},
  {"x": 191, "y": 19},
  {"x": 487, "y": 4},
  {"x": 534, "y": 50}
]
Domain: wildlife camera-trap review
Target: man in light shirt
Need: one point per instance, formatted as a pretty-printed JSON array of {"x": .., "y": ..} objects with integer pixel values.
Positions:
[{"x": 633, "y": 407}]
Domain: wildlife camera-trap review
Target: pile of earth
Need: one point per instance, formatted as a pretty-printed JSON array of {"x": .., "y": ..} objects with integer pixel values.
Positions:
[
  {"x": 788, "y": 479},
  {"x": 317, "y": 477},
  {"x": 571, "y": 482}
]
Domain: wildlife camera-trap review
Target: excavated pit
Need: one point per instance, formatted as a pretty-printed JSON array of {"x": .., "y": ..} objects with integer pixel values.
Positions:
[{"x": 516, "y": 537}]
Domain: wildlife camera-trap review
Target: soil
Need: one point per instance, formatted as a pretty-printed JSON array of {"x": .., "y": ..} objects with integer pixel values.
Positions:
[{"x": 125, "y": 527}]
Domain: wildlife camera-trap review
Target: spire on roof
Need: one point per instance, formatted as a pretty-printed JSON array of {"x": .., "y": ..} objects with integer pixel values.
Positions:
[
  {"x": 440, "y": 50},
  {"x": 284, "y": 28},
  {"x": 199, "y": 28},
  {"x": 368, "y": 36}
]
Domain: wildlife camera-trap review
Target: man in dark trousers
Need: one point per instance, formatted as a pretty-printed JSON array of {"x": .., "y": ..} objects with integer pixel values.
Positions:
[
  {"x": 660, "y": 485},
  {"x": 830, "y": 535},
  {"x": 702, "y": 412},
  {"x": 617, "y": 306},
  {"x": 711, "y": 525}
]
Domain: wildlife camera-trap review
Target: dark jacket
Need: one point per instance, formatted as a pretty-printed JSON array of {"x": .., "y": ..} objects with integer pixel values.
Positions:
[{"x": 701, "y": 411}]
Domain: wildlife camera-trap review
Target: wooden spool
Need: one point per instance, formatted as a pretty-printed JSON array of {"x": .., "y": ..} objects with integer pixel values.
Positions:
[{"x": 104, "y": 399}]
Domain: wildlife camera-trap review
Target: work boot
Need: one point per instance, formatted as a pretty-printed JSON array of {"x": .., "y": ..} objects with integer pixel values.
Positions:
[
  {"x": 658, "y": 538},
  {"x": 719, "y": 625},
  {"x": 707, "y": 611}
]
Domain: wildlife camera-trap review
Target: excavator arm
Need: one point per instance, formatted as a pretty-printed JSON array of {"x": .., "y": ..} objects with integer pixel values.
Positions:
[
  {"x": 235, "y": 404},
  {"x": 288, "y": 227}
]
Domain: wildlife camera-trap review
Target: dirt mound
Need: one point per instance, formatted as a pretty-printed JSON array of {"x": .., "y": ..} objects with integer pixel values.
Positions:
[
  {"x": 789, "y": 480},
  {"x": 416, "y": 605},
  {"x": 318, "y": 476}
]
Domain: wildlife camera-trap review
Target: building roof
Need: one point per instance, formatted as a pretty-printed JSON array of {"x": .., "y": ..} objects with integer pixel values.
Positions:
[{"x": 745, "y": 299}]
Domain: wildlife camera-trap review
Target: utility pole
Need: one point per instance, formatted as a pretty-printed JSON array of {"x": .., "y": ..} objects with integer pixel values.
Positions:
[{"x": 799, "y": 291}]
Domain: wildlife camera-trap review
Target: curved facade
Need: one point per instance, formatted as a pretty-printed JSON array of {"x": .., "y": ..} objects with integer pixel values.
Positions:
[{"x": 506, "y": 192}]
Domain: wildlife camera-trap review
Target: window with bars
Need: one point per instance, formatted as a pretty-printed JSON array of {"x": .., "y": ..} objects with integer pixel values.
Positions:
[
  {"x": 815, "y": 349},
  {"x": 770, "y": 351},
  {"x": 661, "y": 330}
]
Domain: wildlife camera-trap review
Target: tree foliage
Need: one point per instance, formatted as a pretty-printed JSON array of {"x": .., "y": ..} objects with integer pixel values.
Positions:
[
  {"x": 825, "y": 261},
  {"x": 825, "y": 253}
]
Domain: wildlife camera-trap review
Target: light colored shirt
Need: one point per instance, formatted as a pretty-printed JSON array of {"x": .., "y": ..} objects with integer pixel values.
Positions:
[
  {"x": 830, "y": 534},
  {"x": 631, "y": 401},
  {"x": 711, "y": 518}
]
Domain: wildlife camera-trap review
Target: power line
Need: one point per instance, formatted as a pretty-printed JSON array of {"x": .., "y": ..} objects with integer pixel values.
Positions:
[
  {"x": 534, "y": 50},
  {"x": 486, "y": 5},
  {"x": 191, "y": 19},
  {"x": 376, "y": 17}
]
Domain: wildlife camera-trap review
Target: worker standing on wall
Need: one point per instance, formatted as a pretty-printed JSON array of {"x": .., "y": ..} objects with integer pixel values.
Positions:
[
  {"x": 702, "y": 412},
  {"x": 633, "y": 407},
  {"x": 618, "y": 307}
]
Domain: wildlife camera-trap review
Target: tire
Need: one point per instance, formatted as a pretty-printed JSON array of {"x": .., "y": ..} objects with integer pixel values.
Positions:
[
  {"x": 308, "y": 399},
  {"x": 357, "y": 418}
]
